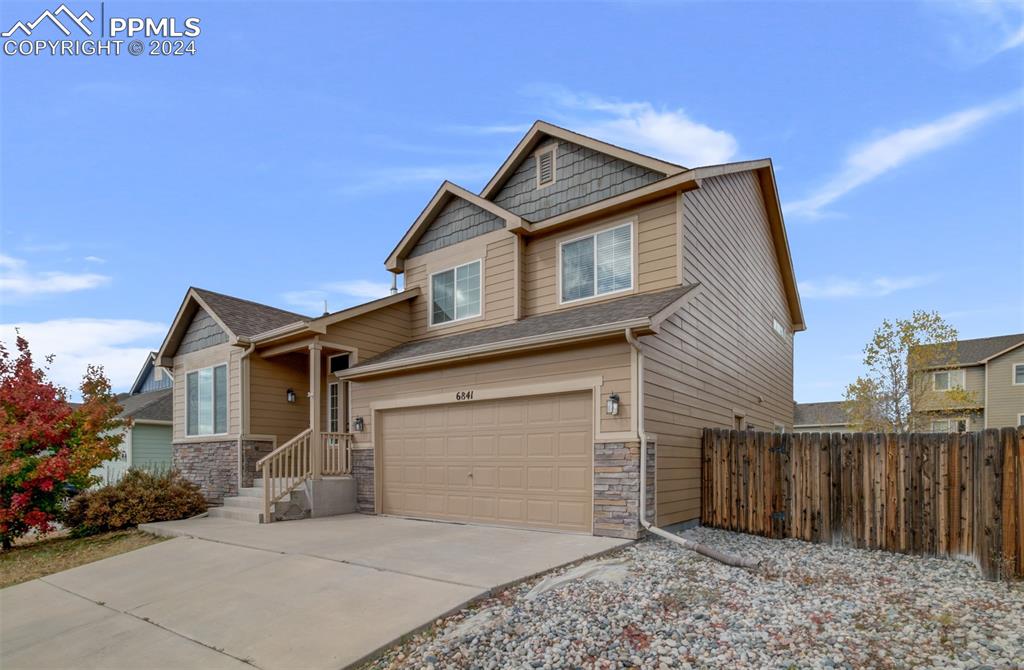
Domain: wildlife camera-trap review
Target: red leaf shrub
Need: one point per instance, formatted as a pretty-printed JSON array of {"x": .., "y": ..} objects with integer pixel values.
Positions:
[{"x": 46, "y": 444}]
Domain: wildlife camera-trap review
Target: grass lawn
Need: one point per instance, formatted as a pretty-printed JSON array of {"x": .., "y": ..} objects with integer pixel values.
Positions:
[{"x": 45, "y": 557}]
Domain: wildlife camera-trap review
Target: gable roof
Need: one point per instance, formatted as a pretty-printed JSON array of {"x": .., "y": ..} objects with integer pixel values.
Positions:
[
  {"x": 442, "y": 197},
  {"x": 643, "y": 310},
  {"x": 820, "y": 414},
  {"x": 152, "y": 406},
  {"x": 982, "y": 349},
  {"x": 237, "y": 317},
  {"x": 141, "y": 377},
  {"x": 541, "y": 130}
]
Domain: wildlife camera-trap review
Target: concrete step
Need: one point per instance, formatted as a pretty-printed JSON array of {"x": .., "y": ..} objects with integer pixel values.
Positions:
[
  {"x": 251, "y": 492},
  {"x": 244, "y": 502},
  {"x": 236, "y": 513},
  {"x": 257, "y": 482}
]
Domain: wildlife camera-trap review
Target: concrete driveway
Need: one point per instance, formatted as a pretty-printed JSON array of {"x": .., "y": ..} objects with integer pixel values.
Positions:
[{"x": 318, "y": 593}]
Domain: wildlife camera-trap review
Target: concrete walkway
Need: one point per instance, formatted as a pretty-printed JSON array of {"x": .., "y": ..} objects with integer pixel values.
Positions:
[{"x": 318, "y": 593}]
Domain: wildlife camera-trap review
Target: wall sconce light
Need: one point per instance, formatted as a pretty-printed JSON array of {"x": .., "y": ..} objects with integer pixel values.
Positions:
[
  {"x": 613, "y": 404},
  {"x": 290, "y": 395},
  {"x": 357, "y": 424}
]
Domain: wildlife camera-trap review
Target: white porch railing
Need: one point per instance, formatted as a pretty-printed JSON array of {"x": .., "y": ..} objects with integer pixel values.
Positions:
[
  {"x": 284, "y": 469},
  {"x": 337, "y": 453}
]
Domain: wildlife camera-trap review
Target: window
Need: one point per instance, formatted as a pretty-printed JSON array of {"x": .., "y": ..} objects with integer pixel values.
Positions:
[
  {"x": 949, "y": 426},
  {"x": 1018, "y": 374},
  {"x": 597, "y": 264},
  {"x": 337, "y": 362},
  {"x": 332, "y": 407},
  {"x": 455, "y": 294},
  {"x": 779, "y": 427},
  {"x": 546, "y": 167},
  {"x": 206, "y": 405},
  {"x": 947, "y": 379},
  {"x": 779, "y": 328},
  {"x": 1020, "y": 419}
]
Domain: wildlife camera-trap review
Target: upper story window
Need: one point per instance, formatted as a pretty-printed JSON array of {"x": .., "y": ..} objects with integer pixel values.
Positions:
[
  {"x": 779, "y": 328},
  {"x": 206, "y": 407},
  {"x": 1018, "y": 374},
  {"x": 947, "y": 379},
  {"x": 455, "y": 294},
  {"x": 546, "y": 167},
  {"x": 597, "y": 264},
  {"x": 337, "y": 363}
]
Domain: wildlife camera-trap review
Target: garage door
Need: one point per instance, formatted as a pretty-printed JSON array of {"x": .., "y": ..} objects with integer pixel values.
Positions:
[{"x": 518, "y": 461}]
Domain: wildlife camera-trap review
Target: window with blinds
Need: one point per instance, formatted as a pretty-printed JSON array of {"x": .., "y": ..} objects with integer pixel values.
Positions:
[{"x": 597, "y": 264}]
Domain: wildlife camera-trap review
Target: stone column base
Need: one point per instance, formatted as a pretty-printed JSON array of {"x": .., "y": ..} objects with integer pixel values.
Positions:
[
  {"x": 362, "y": 470},
  {"x": 617, "y": 490},
  {"x": 252, "y": 451}
]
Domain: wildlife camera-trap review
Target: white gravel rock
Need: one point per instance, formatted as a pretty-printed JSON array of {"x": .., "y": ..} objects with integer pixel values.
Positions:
[{"x": 806, "y": 606}]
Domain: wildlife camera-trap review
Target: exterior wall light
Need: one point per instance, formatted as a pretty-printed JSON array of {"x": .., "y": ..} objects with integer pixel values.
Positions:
[
  {"x": 357, "y": 424},
  {"x": 290, "y": 395},
  {"x": 613, "y": 404}
]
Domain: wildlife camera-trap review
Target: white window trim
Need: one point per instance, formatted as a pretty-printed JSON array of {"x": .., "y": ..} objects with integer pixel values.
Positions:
[
  {"x": 337, "y": 395},
  {"x": 633, "y": 262},
  {"x": 430, "y": 292},
  {"x": 1019, "y": 417},
  {"x": 227, "y": 400},
  {"x": 1013, "y": 374},
  {"x": 952, "y": 385},
  {"x": 547, "y": 148},
  {"x": 952, "y": 420}
]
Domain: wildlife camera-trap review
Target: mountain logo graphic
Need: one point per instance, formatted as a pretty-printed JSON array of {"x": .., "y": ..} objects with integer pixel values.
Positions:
[{"x": 27, "y": 28}]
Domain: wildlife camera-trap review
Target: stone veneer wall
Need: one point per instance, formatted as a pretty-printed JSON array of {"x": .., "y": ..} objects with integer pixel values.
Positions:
[
  {"x": 252, "y": 451},
  {"x": 362, "y": 470},
  {"x": 617, "y": 490},
  {"x": 213, "y": 466}
]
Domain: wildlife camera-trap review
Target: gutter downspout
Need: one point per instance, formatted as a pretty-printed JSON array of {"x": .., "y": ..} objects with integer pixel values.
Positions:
[{"x": 704, "y": 550}]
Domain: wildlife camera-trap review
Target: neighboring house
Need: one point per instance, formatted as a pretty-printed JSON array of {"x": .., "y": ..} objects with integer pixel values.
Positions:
[
  {"x": 991, "y": 370},
  {"x": 586, "y": 299},
  {"x": 821, "y": 417},
  {"x": 147, "y": 443}
]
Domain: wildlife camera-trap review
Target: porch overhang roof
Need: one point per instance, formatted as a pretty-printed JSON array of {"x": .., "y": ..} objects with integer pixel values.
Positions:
[{"x": 643, "y": 313}]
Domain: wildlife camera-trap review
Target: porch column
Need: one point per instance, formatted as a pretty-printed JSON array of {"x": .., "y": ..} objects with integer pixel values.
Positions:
[{"x": 314, "y": 409}]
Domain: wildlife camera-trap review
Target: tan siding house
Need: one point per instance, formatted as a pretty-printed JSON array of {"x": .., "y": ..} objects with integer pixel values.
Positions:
[
  {"x": 991, "y": 370},
  {"x": 589, "y": 300}
]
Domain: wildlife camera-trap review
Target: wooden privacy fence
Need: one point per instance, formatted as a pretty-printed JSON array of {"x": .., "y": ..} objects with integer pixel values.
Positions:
[{"x": 960, "y": 494}]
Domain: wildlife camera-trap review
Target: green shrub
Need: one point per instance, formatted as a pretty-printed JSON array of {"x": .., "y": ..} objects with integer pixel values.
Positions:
[{"x": 140, "y": 497}]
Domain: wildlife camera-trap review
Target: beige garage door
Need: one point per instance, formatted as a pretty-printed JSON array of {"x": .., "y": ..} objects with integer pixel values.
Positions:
[{"x": 519, "y": 461}]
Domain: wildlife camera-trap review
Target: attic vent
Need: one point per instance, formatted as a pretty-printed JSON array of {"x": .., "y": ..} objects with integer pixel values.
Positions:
[{"x": 546, "y": 167}]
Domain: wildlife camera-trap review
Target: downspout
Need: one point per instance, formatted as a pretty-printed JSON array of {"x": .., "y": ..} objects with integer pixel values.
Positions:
[{"x": 638, "y": 395}]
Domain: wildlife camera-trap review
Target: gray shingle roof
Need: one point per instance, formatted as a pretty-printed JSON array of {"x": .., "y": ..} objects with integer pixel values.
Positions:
[
  {"x": 972, "y": 352},
  {"x": 614, "y": 311},
  {"x": 819, "y": 413},
  {"x": 152, "y": 406},
  {"x": 244, "y": 317}
]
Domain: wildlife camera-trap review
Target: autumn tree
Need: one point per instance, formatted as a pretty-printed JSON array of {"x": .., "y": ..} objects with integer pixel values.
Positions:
[
  {"x": 46, "y": 444},
  {"x": 893, "y": 394}
]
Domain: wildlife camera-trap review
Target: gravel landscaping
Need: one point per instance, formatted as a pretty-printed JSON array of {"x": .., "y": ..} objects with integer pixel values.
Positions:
[{"x": 654, "y": 605}]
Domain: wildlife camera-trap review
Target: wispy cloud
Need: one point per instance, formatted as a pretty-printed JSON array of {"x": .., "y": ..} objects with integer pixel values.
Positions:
[
  {"x": 119, "y": 345},
  {"x": 17, "y": 281},
  {"x": 95, "y": 259},
  {"x": 390, "y": 179},
  {"x": 894, "y": 150},
  {"x": 337, "y": 295},
  {"x": 833, "y": 288},
  {"x": 657, "y": 130},
  {"x": 979, "y": 30}
]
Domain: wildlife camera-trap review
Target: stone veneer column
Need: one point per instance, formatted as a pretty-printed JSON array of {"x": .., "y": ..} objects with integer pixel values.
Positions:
[
  {"x": 213, "y": 466},
  {"x": 617, "y": 490},
  {"x": 252, "y": 451},
  {"x": 362, "y": 471}
]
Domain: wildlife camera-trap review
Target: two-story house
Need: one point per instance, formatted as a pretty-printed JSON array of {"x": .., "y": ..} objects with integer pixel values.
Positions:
[
  {"x": 588, "y": 300},
  {"x": 990, "y": 370}
]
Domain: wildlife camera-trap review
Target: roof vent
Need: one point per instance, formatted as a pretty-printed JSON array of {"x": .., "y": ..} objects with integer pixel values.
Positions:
[{"x": 546, "y": 167}]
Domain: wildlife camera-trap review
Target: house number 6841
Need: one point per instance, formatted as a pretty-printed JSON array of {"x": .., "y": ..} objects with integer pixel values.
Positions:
[{"x": 464, "y": 395}]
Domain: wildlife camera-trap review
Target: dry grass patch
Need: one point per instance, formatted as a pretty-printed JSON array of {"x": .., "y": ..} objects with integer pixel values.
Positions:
[{"x": 45, "y": 557}]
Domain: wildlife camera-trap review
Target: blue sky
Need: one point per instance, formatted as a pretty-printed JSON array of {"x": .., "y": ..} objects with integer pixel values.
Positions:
[{"x": 283, "y": 160}]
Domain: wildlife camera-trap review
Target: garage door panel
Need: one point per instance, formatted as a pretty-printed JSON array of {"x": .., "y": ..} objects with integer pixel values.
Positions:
[{"x": 530, "y": 461}]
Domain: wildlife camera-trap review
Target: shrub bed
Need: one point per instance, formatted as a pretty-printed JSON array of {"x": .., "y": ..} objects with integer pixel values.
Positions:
[{"x": 140, "y": 497}]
